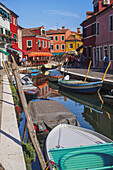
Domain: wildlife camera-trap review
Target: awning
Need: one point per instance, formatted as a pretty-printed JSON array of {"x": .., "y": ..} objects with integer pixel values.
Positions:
[
  {"x": 78, "y": 49},
  {"x": 6, "y": 53},
  {"x": 18, "y": 49},
  {"x": 57, "y": 53},
  {"x": 11, "y": 49},
  {"x": 71, "y": 52},
  {"x": 37, "y": 54}
]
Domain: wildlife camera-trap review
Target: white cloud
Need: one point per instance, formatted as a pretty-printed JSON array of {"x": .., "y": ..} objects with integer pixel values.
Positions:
[{"x": 59, "y": 12}]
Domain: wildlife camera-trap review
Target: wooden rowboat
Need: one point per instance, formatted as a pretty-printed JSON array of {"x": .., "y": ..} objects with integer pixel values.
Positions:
[
  {"x": 31, "y": 91},
  {"x": 80, "y": 86},
  {"x": 55, "y": 75},
  {"x": 71, "y": 147}
]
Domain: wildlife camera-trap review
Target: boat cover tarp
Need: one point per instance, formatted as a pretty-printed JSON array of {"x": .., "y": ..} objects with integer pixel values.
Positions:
[
  {"x": 55, "y": 73},
  {"x": 47, "y": 114}
]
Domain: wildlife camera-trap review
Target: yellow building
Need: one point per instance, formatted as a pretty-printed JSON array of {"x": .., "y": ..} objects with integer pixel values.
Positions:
[{"x": 73, "y": 42}]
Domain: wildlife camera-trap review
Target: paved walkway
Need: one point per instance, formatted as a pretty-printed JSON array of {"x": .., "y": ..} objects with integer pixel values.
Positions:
[
  {"x": 97, "y": 73},
  {"x": 11, "y": 154}
]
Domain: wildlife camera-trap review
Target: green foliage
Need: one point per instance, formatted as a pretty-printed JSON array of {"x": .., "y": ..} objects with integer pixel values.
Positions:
[
  {"x": 29, "y": 154},
  {"x": 15, "y": 95},
  {"x": 16, "y": 101}
]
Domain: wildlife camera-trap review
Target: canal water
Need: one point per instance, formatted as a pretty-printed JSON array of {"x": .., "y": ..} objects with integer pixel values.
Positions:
[{"x": 89, "y": 110}]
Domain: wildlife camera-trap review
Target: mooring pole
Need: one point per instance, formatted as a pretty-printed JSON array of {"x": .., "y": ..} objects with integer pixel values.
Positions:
[
  {"x": 7, "y": 72},
  {"x": 30, "y": 125}
]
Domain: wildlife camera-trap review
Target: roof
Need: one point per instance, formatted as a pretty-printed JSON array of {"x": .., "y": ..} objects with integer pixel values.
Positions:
[
  {"x": 58, "y": 31},
  {"x": 28, "y": 33},
  {"x": 72, "y": 37},
  {"x": 95, "y": 14},
  {"x": 9, "y": 10},
  {"x": 37, "y": 28}
]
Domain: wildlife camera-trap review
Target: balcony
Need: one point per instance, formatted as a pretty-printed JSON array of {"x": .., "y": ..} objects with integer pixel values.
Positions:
[{"x": 4, "y": 39}]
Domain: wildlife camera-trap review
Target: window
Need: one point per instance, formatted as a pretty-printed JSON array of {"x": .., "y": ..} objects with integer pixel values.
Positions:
[
  {"x": 111, "y": 23},
  {"x": 90, "y": 52},
  {"x": 84, "y": 32},
  {"x": 42, "y": 43},
  {"x": 111, "y": 52},
  {"x": 51, "y": 37},
  {"x": 29, "y": 43},
  {"x": 62, "y": 38},
  {"x": 51, "y": 47},
  {"x": 56, "y": 38},
  {"x": 15, "y": 36},
  {"x": 39, "y": 43},
  {"x": 93, "y": 29},
  {"x": 100, "y": 53},
  {"x": 48, "y": 44},
  {"x": 57, "y": 47},
  {"x": 45, "y": 44},
  {"x": 105, "y": 50},
  {"x": 14, "y": 21},
  {"x": 85, "y": 51},
  {"x": 1, "y": 30},
  {"x": 97, "y": 28},
  {"x": 77, "y": 45},
  {"x": 70, "y": 45},
  {"x": 43, "y": 32},
  {"x": 63, "y": 46}
]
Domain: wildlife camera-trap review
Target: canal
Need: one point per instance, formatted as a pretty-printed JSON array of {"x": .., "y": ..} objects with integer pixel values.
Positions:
[{"x": 89, "y": 110}]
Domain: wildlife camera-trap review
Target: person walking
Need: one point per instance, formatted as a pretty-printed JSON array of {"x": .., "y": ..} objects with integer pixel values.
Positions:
[
  {"x": 23, "y": 59},
  {"x": 105, "y": 62}
]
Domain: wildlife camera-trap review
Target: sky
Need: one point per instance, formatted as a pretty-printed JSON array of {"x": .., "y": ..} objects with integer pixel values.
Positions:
[{"x": 52, "y": 14}]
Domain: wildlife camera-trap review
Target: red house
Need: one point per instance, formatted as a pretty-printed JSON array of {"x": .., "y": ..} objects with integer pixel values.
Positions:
[
  {"x": 95, "y": 27},
  {"x": 37, "y": 45},
  {"x": 13, "y": 28}
]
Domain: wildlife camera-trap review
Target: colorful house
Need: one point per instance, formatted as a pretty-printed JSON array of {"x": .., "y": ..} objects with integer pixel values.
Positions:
[
  {"x": 58, "y": 38},
  {"x": 98, "y": 33},
  {"x": 36, "y": 45},
  {"x": 5, "y": 34},
  {"x": 74, "y": 42}
]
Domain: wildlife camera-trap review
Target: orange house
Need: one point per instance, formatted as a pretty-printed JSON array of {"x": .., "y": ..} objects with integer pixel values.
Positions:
[{"x": 58, "y": 38}]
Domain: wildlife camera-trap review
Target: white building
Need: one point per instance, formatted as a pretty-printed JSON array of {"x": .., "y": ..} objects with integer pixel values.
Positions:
[{"x": 5, "y": 34}]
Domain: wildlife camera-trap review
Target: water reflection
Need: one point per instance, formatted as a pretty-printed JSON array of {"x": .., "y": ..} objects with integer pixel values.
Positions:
[{"x": 99, "y": 117}]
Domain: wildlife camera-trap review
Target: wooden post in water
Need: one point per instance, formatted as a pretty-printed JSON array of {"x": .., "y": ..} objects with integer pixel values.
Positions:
[
  {"x": 7, "y": 72},
  {"x": 106, "y": 71},
  {"x": 88, "y": 70},
  {"x": 30, "y": 125}
]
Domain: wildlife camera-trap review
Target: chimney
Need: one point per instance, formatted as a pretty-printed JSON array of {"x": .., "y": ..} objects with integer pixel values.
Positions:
[
  {"x": 78, "y": 30},
  {"x": 63, "y": 27}
]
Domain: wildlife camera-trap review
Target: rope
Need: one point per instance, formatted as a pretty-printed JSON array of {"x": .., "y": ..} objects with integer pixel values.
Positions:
[{"x": 52, "y": 163}]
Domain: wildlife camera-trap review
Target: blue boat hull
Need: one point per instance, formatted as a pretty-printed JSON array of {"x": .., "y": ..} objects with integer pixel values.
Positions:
[{"x": 81, "y": 88}]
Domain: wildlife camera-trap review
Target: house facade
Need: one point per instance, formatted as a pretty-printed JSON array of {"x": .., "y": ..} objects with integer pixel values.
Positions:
[
  {"x": 58, "y": 40},
  {"x": 97, "y": 35},
  {"x": 73, "y": 42},
  {"x": 36, "y": 45},
  {"x": 5, "y": 34}
]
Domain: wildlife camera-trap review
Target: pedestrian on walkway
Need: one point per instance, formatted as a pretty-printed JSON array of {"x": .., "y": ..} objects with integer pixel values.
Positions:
[
  {"x": 105, "y": 62},
  {"x": 23, "y": 59}
]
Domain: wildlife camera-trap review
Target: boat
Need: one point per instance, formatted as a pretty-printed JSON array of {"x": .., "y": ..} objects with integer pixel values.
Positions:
[
  {"x": 55, "y": 75},
  {"x": 72, "y": 147},
  {"x": 34, "y": 72},
  {"x": 25, "y": 80},
  {"x": 79, "y": 86},
  {"x": 49, "y": 66},
  {"x": 31, "y": 92},
  {"x": 108, "y": 99}
]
